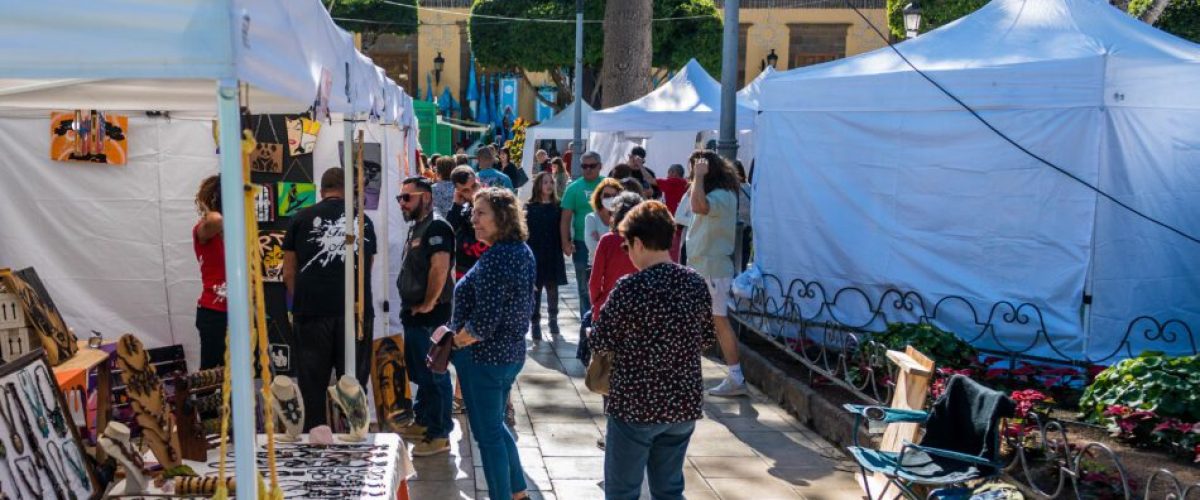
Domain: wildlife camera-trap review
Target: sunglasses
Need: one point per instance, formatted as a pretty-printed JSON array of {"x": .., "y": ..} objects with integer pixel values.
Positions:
[
  {"x": 589, "y": 166},
  {"x": 404, "y": 198}
]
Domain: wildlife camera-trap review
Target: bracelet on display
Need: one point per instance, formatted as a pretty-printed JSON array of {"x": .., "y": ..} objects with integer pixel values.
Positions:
[
  {"x": 14, "y": 435},
  {"x": 195, "y": 485},
  {"x": 34, "y": 402},
  {"x": 56, "y": 415},
  {"x": 335, "y": 493},
  {"x": 301, "y": 484}
]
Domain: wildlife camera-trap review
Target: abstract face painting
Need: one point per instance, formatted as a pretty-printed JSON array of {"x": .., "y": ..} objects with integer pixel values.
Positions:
[
  {"x": 302, "y": 135},
  {"x": 292, "y": 196},
  {"x": 271, "y": 244}
]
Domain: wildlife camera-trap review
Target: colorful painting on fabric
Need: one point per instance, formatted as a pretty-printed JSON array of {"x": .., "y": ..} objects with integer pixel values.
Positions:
[
  {"x": 372, "y": 171},
  {"x": 270, "y": 242},
  {"x": 292, "y": 196},
  {"x": 264, "y": 203},
  {"x": 89, "y": 136}
]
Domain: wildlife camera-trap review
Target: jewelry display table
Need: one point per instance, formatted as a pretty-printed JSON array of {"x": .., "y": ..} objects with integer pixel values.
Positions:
[{"x": 378, "y": 468}]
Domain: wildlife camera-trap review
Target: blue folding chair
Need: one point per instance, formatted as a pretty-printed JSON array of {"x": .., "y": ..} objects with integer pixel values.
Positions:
[{"x": 961, "y": 441}]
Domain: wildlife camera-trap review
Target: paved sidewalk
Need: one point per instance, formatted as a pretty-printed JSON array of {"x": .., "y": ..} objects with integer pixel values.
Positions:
[{"x": 744, "y": 448}]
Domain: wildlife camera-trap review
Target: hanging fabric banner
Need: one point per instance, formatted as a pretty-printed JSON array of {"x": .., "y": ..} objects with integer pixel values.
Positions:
[{"x": 545, "y": 111}]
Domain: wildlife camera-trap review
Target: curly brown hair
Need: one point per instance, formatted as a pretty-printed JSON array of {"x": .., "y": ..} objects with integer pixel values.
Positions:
[
  {"x": 510, "y": 218},
  {"x": 720, "y": 175},
  {"x": 208, "y": 197}
]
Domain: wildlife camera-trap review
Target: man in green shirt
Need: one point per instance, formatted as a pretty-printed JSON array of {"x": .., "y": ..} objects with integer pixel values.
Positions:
[
  {"x": 710, "y": 241},
  {"x": 576, "y": 205}
]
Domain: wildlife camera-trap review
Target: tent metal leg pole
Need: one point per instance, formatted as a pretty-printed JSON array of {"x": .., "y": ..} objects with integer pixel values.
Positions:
[
  {"x": 348, "y": 163},
  {"x": 237, "y": 286}
]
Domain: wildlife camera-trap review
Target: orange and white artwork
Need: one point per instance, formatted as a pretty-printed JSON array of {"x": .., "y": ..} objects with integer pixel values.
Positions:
[{"x": 90, "y": 136}]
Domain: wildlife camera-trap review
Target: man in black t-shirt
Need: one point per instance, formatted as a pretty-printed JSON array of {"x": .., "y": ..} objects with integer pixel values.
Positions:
[
  {"x": 314, "y": 266},
  {"x": 467, "y": 248},
  {"x": 426, "y": 290}
]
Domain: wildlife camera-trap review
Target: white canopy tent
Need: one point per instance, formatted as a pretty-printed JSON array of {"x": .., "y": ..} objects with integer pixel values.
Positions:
[
  {"x": 560, "y": 127},
  {"x": 750, "y": 94},
  {"x": 668, "y": 121},
  {"x": 872, "y": 178},
  {"x": 182, "y": 56}
]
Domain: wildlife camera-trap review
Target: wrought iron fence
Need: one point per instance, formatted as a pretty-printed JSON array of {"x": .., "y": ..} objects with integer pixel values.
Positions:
[{"x": 803, "y": 319}]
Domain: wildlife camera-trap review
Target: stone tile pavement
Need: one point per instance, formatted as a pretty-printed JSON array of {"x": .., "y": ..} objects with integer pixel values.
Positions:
[{"x": 744, "y": 448}]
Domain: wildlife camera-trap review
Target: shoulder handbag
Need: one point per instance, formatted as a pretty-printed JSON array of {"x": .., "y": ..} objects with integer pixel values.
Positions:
[
  {"x": 599, "y": 371},
  {"x": 438, "y": 358}
]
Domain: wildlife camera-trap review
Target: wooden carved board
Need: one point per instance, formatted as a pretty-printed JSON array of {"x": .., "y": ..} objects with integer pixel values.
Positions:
[{"x": 60, "y": 344}]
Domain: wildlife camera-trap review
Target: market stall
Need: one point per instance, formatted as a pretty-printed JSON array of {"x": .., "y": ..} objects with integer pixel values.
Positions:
[{"x": 147, "y": 96}]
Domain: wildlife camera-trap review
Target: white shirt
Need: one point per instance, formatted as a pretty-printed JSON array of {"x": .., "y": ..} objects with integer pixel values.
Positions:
[{"x": 593, "y": 230}]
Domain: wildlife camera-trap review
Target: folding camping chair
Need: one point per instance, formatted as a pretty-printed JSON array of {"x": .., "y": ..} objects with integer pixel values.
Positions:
[{"x": 961, "y": 441}]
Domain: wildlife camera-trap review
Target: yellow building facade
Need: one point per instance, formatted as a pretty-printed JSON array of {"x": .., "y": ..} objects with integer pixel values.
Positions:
[{"x": 799, "y": 32}]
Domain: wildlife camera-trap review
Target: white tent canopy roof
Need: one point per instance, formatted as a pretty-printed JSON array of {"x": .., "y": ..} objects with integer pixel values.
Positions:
[
  {"x": 138, "y": 54},
  {"x": 562, "y": 125},
  {"x": 749, "y": 95},
  {"x": 899, "y": 188},
  {"x": 1056, "y": 53},
  {"x": 689, "y": 101}
]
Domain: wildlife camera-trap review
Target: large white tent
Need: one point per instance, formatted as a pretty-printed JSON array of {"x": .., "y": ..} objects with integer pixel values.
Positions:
[
  {"x": 870, "y": 177},
  {"x": 559, "y": 127},
  {"x": 668, "y": 121},
  {"x": 188, "y": 58}
]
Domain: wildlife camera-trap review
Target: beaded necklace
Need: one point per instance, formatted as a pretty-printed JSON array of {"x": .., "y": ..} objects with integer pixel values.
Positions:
[
  {"x": 34, "y": 402},
  {"x": 13, "y": 435},
  {"x": 56, "y": 415}
]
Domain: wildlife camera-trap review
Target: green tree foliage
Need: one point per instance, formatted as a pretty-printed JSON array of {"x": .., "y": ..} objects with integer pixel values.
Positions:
[
  {"x": 934, "y": 13},
  {"x": 504, "y": 45},
  {"x": 374, "y": 17},
  {"x": 1180, "y": 18}
]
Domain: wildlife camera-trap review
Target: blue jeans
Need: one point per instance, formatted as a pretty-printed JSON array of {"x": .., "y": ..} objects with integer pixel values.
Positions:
[
  {"x": 485, "y": 390},
  {"x": 582, "y": 271},
  {"x": 434, "y": 400},
  {"x": 654, "y": 450}
]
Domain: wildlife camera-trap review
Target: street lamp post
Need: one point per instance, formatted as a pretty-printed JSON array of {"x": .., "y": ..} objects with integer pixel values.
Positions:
[
  {"x": 727, "y": 144},
  {"x": 577, "y": 146},
  {"x": 912, "y": 19}
]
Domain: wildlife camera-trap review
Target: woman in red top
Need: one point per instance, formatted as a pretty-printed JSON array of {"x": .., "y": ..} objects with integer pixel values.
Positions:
[
  {"x": 209, "y": 245},
  {"x": 612, "y": 262}
]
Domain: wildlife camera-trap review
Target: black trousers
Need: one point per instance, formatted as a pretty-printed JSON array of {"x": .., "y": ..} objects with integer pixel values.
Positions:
[
  {"x": 318, "y": 352},
  {"x": 211, "y": 325}
]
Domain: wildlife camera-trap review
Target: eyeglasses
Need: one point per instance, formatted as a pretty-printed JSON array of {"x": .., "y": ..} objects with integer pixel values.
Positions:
[
  {"x": 589, "y": 166},
  {"x": 404, "y": 198}
]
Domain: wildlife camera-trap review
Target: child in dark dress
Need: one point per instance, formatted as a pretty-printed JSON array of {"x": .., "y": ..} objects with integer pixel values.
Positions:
[{"x": 542, "y": 217}]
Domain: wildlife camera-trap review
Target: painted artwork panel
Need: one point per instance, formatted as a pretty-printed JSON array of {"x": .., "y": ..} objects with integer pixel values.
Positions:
[
  {"x": 302, "y": 135},
  {"x": 372, "y": 171},
  {"x": 89, "y": 136},
  {"x": 290, "y": 197},
  {"x": 264, "y": 203},
  {"x": 271, "y": 243}
]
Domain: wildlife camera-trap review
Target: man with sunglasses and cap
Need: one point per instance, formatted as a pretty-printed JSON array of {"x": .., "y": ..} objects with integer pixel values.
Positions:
[
  {"x": 576, "y": 204},
  {"x": 426, "y": 291}
]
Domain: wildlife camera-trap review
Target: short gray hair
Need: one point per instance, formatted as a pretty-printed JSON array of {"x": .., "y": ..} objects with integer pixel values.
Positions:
[{"x": 590, "y": 155}]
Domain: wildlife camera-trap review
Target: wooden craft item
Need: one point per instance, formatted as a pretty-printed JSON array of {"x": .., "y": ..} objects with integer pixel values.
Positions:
[
  {"x": 193, "y": 443},
  {"x": 115, "y": 443},
  {"x": 89, "y": 136},
  {"x": 390, "y": 382},
  {"x": 148, "y": 400},
  {"x": 56, "y": 339},
  {"x": 360, "y": 253},
  {"x": 267, "y": 155},
  {"x": 348, "y": 397},
  {"x": 196, "y": 485},
  {"x": 913, "y": 380},
  {"x": 289, "y": 408}
]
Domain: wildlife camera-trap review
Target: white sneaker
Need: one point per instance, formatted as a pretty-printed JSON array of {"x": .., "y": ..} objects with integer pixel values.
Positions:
[{"x": 728, "y": 389}]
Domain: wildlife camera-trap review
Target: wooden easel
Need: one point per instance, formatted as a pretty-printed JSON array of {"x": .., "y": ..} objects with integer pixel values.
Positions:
[{"x": 912, "y": 389}]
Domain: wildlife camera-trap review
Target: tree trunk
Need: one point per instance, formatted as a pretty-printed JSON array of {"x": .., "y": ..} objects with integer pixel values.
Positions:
[{"x": 626, "y": 71}]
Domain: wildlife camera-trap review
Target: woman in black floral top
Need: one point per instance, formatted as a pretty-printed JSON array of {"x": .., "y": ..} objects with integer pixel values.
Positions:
[
  {"x": 492, "y": 304},
  {"x": 656, "y": 322}
]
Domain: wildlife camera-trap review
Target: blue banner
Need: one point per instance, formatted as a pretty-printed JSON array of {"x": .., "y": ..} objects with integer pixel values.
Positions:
[
  {"x": 545, "y": 111},
  {"x": 509, "y": 105}
]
